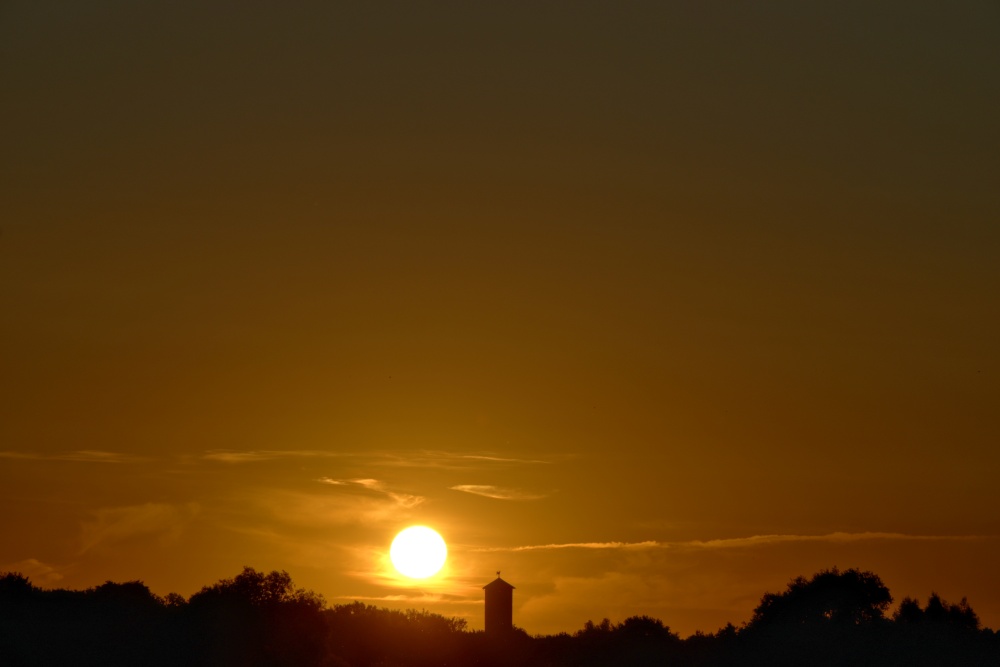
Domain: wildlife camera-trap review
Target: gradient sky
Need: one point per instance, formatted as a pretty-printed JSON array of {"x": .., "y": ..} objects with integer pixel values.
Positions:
[{"x": 651, "y": 306}]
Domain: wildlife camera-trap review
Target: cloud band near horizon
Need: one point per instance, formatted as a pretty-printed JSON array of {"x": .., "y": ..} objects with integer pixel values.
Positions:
[{"x": 741, "y": 542}]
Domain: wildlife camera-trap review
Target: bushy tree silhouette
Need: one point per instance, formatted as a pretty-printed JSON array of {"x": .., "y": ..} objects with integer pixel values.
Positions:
[
  {"x": 850, "y": 597},
  {"x": 112, "y": 624},
  {"x": 256, "y": 589},
  {"x": 638, "y": 640},
  {"x": 832, "y": 618},
  {"x": 942, "y": 632},
  {"x": 261, "y": 620},
  {"x": 257, "y": 619},
  {"x": 367, "y": 635}
]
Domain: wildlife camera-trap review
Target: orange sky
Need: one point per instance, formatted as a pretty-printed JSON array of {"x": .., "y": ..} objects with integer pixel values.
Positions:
[{"x": 650, "y": 306}]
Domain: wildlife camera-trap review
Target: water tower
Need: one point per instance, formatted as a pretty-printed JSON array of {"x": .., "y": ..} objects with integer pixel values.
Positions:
[{"x": 499, "y": 606}]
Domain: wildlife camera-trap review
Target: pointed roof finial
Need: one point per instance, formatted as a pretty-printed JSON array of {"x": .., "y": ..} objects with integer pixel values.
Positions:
[{"x": 498, "y": 574}]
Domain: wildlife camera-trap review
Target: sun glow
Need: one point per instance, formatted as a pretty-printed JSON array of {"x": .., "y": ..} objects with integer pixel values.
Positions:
[{"x": 418, "y": 552}]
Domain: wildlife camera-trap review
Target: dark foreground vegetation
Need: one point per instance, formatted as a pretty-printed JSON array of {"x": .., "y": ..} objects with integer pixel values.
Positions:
[{"x": 256, "y": 619}]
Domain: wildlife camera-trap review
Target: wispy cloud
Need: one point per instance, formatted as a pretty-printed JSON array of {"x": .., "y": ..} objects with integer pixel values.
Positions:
[
  {"x": 343, "y": 503},
  {"x": 764, "y": 540},
  {"x": 96, "y": 456},
  {"x": 429, "y": 458},
  {"x": 575, "y": 545},
  {"x": 499, "y": 459},
  {"x": 238, "y": 457},
  {"x": 253, "y": 455},
  {"x": 404, "y": 500},
  {"x": 742, "y": 542},
  {"x": 423, "y": 458},
  {"x": 18, "y": 455},
  {"x": 37, "y": 571},
  {"x": 81, "y": 455},
  {"x": 158, "y": 521},
  {"x": 496, "y": 492}
]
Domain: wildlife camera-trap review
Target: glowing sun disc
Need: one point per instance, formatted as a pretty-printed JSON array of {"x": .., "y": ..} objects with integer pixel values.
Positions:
[{"x": 418, "y": 552}]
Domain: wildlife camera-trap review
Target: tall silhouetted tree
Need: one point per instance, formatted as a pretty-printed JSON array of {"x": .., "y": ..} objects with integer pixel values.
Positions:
[
  {"x": 942, "y": 633},
  {"x": 850, "y": 597},
  {"x": 831, "y": 619},
  {"x": 257, "y": 619}
]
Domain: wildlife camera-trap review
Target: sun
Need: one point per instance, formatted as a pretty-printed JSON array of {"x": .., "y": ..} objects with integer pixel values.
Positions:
[{"x": 418, "y": 552}]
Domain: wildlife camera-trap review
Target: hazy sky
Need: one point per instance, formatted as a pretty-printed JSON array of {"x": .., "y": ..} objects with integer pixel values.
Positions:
[{"x": 651, "y": 306}]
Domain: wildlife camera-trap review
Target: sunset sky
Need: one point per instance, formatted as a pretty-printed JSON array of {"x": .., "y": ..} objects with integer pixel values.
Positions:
[{"x": 651, "y": 306}]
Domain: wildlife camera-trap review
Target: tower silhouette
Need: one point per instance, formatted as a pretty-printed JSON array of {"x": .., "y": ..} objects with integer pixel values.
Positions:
[{"x": 499, "y": 606}]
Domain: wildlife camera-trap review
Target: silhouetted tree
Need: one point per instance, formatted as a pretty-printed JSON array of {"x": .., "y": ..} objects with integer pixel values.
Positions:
[
  {"x": 257, "y": 589},
  {"x": 367, "y": 635},
  {"x": 256, "y": 619},
  {"x": 638, "y": 640},
  {"x": 909, "y": 612},
  {"x": 722, "y": 647},
  {"x": 958, "y": 616},
  {"x": 942, "y": 632},
  {"x": 112, "y": 624},
  {"x": 831, "y": 619},
  {"x": 261, "y": 620},
  {"x": 14, "y": 586},
  {"x": 850, "y": 597}
]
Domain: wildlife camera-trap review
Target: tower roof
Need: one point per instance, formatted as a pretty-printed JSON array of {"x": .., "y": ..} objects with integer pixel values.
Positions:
[{"x": 497, "y": 584}]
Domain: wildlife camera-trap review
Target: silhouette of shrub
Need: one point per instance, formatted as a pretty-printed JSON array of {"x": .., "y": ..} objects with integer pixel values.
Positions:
[{"x": 261, "y": 620}]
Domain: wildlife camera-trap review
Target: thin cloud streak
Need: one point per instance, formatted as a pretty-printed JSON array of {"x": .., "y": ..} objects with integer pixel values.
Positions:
[
  {"x": 743, "y": 542},
  {"x": 250, "y": 456},
  {"x": 764, "y": 540},
  {"x": 284, "y": 510},
  {"x": 575, "y": 545},
  {"x": 80, "y": 456},
  {"x": 500, "y": 459},
  {"x": 496, "y": 492},
  {"x": 95, "y": 456},
  {"x": 451, "y": 460},
  {"x": 36, "y": 570},
  {"x": 20, "y": 456},
  {"x": 238, "y": 457},
  {"x": 401, "y": 459},
  {"x": 404, "y": 500}
]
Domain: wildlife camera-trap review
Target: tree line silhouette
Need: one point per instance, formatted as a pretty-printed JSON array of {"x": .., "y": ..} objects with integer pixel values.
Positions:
[{"x": 261, "y": 620}]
